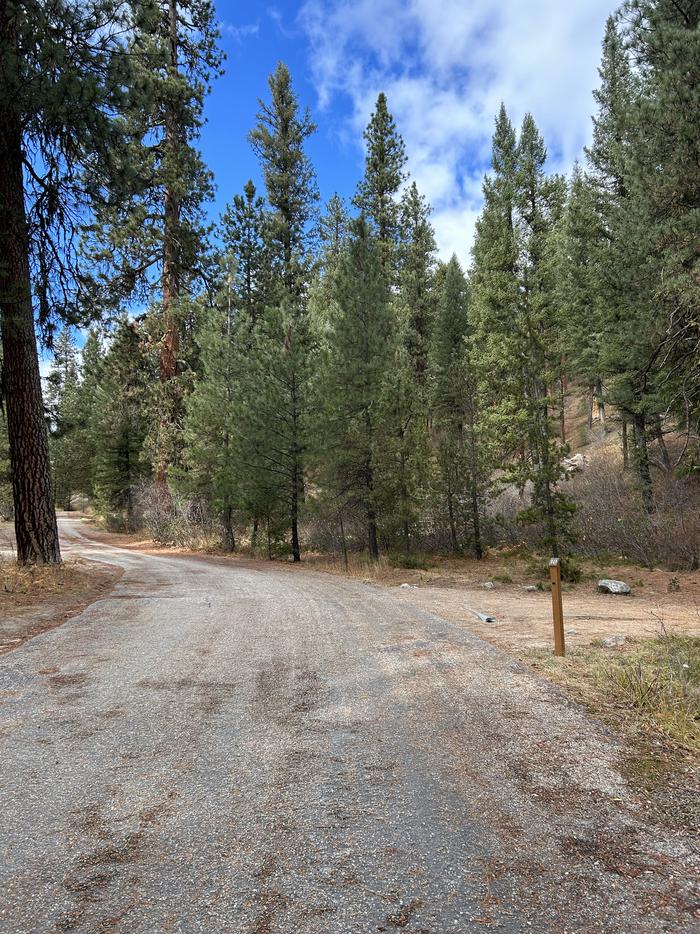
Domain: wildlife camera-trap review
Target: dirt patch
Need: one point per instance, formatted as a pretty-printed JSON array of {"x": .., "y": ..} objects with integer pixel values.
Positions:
[
  {"x": 522, "y": 619},
  {"x": 67, "y": 681},
  {"x": 33, "y": 600},
  {"x": 401, "y": 918}
]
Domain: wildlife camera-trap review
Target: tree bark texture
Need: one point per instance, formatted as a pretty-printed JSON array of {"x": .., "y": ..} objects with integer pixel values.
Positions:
[{"x": 35, "y": 517}]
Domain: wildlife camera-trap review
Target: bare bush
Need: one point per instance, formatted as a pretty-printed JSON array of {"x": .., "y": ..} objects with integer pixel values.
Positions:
[
  {"x": 611, "y": 519},
  {"x": 175, "y": 519}
]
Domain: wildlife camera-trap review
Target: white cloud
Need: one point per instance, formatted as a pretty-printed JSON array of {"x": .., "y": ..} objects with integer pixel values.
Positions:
[
  {"x": 445, "y": 68},
  {"x": 239, "y": 33}
]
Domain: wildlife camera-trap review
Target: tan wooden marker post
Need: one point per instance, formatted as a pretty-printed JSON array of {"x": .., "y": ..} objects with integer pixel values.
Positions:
[{"x": 557, "y": 611}]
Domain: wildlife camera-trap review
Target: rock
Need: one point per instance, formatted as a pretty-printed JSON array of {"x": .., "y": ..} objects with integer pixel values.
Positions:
[
  {"x": 572, "y": 632},
  {"x": 611, "y": 641},
  {"x": 614, "y": 587},
  {"x": 531, "y": 588},
  {"x": 408, "y": 586},
  {"x": 575, "y": 463},
  {"x": 489, "y": 585}
]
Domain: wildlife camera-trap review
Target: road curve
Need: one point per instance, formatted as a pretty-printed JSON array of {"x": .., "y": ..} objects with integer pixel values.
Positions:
[{"x": 230, "y": 747}]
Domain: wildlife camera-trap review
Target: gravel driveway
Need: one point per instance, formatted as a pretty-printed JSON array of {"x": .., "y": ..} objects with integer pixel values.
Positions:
[{"x": 234, "y": 747}]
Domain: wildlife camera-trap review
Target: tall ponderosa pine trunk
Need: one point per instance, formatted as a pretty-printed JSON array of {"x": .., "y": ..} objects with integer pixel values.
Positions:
[
  {"x": 229, "y": 534},
  {"x": 297, "y": 485},
  {"x": 641, "y": 462},
  {"x": 170, "y": 345},
  {"x": 35, "y": 518},
  {"x": 474, "y": 479}
]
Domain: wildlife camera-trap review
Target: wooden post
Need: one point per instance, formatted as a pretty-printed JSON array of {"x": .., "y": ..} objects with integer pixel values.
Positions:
[{"x": 557, "y": 611}]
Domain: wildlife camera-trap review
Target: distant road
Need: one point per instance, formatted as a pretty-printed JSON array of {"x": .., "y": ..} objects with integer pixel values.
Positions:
[{"x": 240, "y": 747}]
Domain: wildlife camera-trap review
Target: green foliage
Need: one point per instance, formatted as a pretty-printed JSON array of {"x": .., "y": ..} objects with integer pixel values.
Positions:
[
  {"x": 243, "y": 231},
  {"x": 515, "y": 317},
  {"x": 416, "y": 270},
  {"x": 403, "y": 449},
  {"x": 210, "y": 421},
  {"x": 384, "y": 173},
  {"x": 409, "y": 562},
  {"x": 65, "y": 402},
  {"x": 357, "y": 354},
  {"x": 120, "y": 425},
  {"x": 152, "y": 237},
  {"x": 461, "y": 442},
  {"x": 275, "y": 394},
  {"x": 336, "y": 360},
  {"x": 278, "y": 139}
]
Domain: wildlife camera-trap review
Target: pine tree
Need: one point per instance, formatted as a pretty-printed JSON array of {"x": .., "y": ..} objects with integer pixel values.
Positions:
[
  {"x": 359, "y": 349},
  {"x": 634, "y": 331},
  {"x": 276, "y": 378},
  {"x": 333, "y": 229},
  {"x": 417, "y": 267},
  {"x": 211, "y": 419},
  {"x": 243, "y": 230},
  {"x": 495, "y": 295},
  {"x": 56, "y": 161},
  {"x": 540, "y": 203},
  {"x": 120, "y": 424},
  {"x": 384, "y": 174},
  {"x": 157, "y": 235},
  {"x": 515, "y": 316},
  {"x": 92, "y": 363},
  {"x": 402, "y": 449},
  {"x": 460, "y": 447},
  {"x": 63, "y": 398},
  {"x": 581, "y": 295},
  {"x": 278, "y": 139},
  {"x": 663, "y": 177}
]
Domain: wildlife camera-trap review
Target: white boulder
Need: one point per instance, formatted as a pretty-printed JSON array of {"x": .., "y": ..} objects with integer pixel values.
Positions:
[{"x": 614, "y": 587}]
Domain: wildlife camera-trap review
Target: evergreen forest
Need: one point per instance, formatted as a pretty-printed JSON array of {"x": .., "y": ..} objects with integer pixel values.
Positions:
[{"x": 305, "y": 374}]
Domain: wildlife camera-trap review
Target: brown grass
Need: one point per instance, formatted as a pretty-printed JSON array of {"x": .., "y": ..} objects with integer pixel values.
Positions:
[
  {"x": 37, "y": 580},
  {"x": 34, "y": 599},
  {"x": 650, "y": 689}
]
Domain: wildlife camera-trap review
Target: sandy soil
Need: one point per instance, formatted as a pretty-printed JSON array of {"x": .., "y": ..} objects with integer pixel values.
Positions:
[{"x": 523, "y": 620}]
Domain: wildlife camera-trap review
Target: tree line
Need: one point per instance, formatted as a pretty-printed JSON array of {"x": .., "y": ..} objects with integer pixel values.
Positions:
[{"x": 299, "y": 363}]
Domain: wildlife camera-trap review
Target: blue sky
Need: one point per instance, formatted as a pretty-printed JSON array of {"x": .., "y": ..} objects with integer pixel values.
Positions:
[{"x": 445, "y": 66}]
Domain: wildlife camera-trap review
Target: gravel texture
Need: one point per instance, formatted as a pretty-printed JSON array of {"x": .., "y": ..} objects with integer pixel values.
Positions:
[{"x": 234, "y": 747}]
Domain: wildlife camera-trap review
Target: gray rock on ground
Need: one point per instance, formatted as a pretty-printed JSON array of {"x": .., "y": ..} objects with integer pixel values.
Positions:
[
  {"x": 613, "y": 587},
  {"x": 611, "y": 641}
]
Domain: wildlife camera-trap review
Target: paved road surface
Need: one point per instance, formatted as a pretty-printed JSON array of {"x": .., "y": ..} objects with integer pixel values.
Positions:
[{"x": 243, "y": 748}]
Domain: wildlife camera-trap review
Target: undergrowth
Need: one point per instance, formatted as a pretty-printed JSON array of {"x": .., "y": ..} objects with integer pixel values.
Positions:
[
  {"x": 651, "y": 688},
  {"x": 37, "y": 579}
]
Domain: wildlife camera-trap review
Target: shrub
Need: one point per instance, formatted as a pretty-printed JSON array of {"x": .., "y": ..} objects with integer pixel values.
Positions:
[
  {"x": 611, "y": 520},
  {"x": 173, "y": 519},
  {"x": 409, "y": 562}
]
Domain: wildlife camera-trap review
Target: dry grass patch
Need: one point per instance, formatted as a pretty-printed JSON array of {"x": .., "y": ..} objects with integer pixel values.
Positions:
[
  {"x": 38, "y": 580},
  {"x": 34, "y": 599},
  {"x": 649, "y": 688}
]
